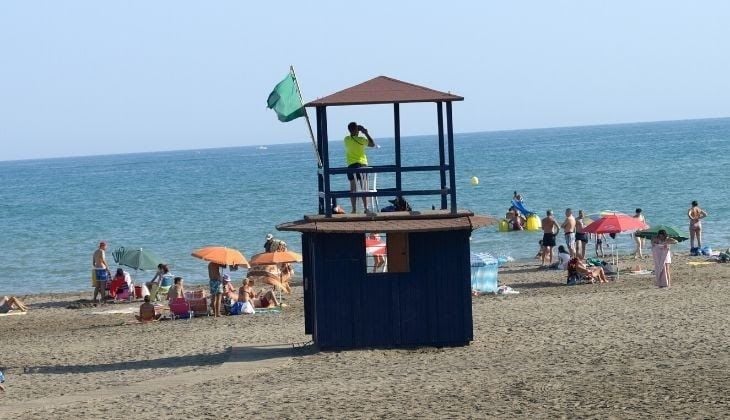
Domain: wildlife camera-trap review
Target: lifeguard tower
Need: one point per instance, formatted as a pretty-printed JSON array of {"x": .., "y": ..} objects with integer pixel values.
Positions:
[{"x": 421, "y": 296}]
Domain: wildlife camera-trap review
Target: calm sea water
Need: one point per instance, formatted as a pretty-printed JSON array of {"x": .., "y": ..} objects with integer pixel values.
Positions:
[{"x": 53, "y": 212}]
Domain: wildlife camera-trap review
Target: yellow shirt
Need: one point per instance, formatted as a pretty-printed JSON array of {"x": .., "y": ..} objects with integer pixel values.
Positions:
[{"x": 355, "y": 150}]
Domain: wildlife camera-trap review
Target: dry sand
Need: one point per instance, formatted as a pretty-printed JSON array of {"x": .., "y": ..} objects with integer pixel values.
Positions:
[{"x": 618, "y": 350}]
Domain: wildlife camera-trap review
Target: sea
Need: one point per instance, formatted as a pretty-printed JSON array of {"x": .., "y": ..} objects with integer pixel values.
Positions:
[{"x": 54, "y": 212}]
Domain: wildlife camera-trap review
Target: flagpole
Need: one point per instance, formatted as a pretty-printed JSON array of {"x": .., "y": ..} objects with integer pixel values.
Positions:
[{"x": 306, "y": 116}]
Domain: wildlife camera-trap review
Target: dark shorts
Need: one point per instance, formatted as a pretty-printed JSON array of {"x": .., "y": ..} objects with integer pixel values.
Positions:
[
  {"x": 264, "y": 302},
  {"x": 583, "y": 237},
  {"x": 548, "y": 239},
  {"x": 352, "y": 176}
]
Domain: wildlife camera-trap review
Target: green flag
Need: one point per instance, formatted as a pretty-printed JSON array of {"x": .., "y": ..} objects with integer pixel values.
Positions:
[{"x": 285, "y": 100}]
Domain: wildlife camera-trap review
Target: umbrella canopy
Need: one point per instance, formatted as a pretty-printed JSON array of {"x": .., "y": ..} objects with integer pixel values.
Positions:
[
  {"x": 221, "y": 255},
  {"x": 615, "y": 223},
  {"x": 672, "y": 232},
  {"x": 375, "y": 246},
  {"x": 138, "y": 258},
  {"x": 277, "y": 257},
  {"x": 590, "y": 218}
]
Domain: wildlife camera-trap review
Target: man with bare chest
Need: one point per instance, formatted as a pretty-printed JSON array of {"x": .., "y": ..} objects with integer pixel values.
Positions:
[{"x": 550, "y": 229}]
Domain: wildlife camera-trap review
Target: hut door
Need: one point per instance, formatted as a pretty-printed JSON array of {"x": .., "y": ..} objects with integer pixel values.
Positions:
[{"x": 398, "y": 252}]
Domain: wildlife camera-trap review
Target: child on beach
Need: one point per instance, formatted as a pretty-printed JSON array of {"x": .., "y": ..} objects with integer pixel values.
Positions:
[{"x": 600, "y": 239}]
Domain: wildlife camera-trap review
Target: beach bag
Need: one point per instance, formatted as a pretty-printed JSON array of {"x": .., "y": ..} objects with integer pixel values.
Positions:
[
  {"x": 610, "y": 269},
  {"x": 248, "y": 308}
]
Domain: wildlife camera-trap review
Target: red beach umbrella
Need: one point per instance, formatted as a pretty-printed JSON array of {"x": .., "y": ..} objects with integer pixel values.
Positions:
[
  {"x": 374, "y": 245},
  {"x": 615, "y": 223}
]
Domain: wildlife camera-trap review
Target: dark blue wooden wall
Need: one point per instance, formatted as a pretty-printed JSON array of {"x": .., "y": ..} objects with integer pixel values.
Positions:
[{"x": 346, "y": 307}]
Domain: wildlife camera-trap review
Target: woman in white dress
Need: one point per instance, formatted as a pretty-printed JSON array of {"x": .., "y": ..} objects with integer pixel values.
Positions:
[{"x": 662, "y": 258}]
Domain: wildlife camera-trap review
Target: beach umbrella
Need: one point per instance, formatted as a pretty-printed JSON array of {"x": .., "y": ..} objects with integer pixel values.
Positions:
[
  {"x": 277, "y": 257},
  {"x": 266, "y": 267},
  {"x": 137, "y": 258},
  {"x": 672, "y": 232},
  {"x": 375, "y": 246},
  {"x": 221, "y": 255},
  {"x": 590, "y": 218},
  {"x": 615, "y": 223}
]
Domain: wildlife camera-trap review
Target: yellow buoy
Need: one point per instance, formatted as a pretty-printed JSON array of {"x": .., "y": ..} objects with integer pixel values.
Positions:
[
  {"x": 474, "y": 180},
  {"x": 503, "y": 225},
  {"x": 533, "y": 223}
]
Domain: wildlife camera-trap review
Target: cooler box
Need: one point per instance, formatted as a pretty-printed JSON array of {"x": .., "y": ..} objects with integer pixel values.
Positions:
[{"x": 484, "y": 273}]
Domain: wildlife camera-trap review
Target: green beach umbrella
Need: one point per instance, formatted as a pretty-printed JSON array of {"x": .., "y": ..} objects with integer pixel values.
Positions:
[
  {"x": 672, "y": 232},
  {"x": 137, "y": 259}
]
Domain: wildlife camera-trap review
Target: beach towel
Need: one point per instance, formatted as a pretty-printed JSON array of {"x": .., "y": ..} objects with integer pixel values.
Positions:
[
  {"x": 662, "y": 256},
  {"x": 13, "y": 313}
]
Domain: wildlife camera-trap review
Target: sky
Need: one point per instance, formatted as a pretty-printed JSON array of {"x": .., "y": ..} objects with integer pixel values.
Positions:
[{"x": 105, "y": 77}]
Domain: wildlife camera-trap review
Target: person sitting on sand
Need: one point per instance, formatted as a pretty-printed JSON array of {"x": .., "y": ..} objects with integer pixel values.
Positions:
[
  {"x": 7, "y": 304},
  {"x": 177, "y": 290},
  {"x": 263, "y": 299},
  {"x": 579, "y": 265},
  {"x": 147, "y": 311},
  {"x": 540, "y": 250},
  {"x": 563, "y": 259}
]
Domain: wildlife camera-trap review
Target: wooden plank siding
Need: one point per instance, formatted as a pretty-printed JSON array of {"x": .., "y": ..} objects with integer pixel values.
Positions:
[{"x": 350, "y": 308}]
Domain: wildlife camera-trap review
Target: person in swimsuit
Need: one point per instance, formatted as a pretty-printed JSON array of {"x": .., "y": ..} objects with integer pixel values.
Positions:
[
  {"x": 600, "y": 239},
  {"x": 177, "y": 290},
  {"x": 264, "y": 299},
  {"x": 216, "y": 287},
  {"x": 569, "y": 229},
  {"x": 550, "y": 229},
  {"x": 638, "y": 252},
  {"x": 147, "y": 311},
  {"x": 7, "y": 304},
  {"x": 581, "y": 238},
  {"x": 101, "y": 269},
  {"x": 695, "y": 214}
]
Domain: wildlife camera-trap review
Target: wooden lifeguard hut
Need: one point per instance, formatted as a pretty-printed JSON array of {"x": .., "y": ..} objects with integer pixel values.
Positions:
[{"x": 422, "y": 294}]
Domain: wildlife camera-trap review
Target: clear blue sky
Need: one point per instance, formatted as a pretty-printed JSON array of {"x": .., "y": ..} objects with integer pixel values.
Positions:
[{"x": 100, "y": 77}]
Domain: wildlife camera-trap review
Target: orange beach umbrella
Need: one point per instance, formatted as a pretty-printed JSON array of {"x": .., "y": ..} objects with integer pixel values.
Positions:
[
  {"x": 221, "y": 255},
  {"x": 277, "y": 257}
]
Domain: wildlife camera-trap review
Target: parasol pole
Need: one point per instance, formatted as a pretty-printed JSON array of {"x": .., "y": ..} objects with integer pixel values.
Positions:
[{"x": 306, "y": 117}]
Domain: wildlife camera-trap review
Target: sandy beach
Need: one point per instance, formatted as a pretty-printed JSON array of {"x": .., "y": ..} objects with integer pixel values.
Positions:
[{"x": 620, "y": 350}]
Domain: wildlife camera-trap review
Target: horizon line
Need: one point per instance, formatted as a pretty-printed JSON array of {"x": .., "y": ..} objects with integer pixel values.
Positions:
[{"x": 506, "y": 130}]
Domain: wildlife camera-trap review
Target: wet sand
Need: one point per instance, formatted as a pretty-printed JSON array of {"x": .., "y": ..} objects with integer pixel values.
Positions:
[{"x": 622, "y": 350}]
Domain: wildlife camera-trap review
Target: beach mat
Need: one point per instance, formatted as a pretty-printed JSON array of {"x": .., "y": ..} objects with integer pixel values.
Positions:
[
  {"x": 693, "y": 263},
  {"x": 116, "y": 311},
  {"x": 12, "y": 313},
  {"x": 273, "y": 310}
]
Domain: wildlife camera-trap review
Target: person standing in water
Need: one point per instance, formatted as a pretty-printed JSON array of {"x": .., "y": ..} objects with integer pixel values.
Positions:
[{"x": 695, "y": 214}]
